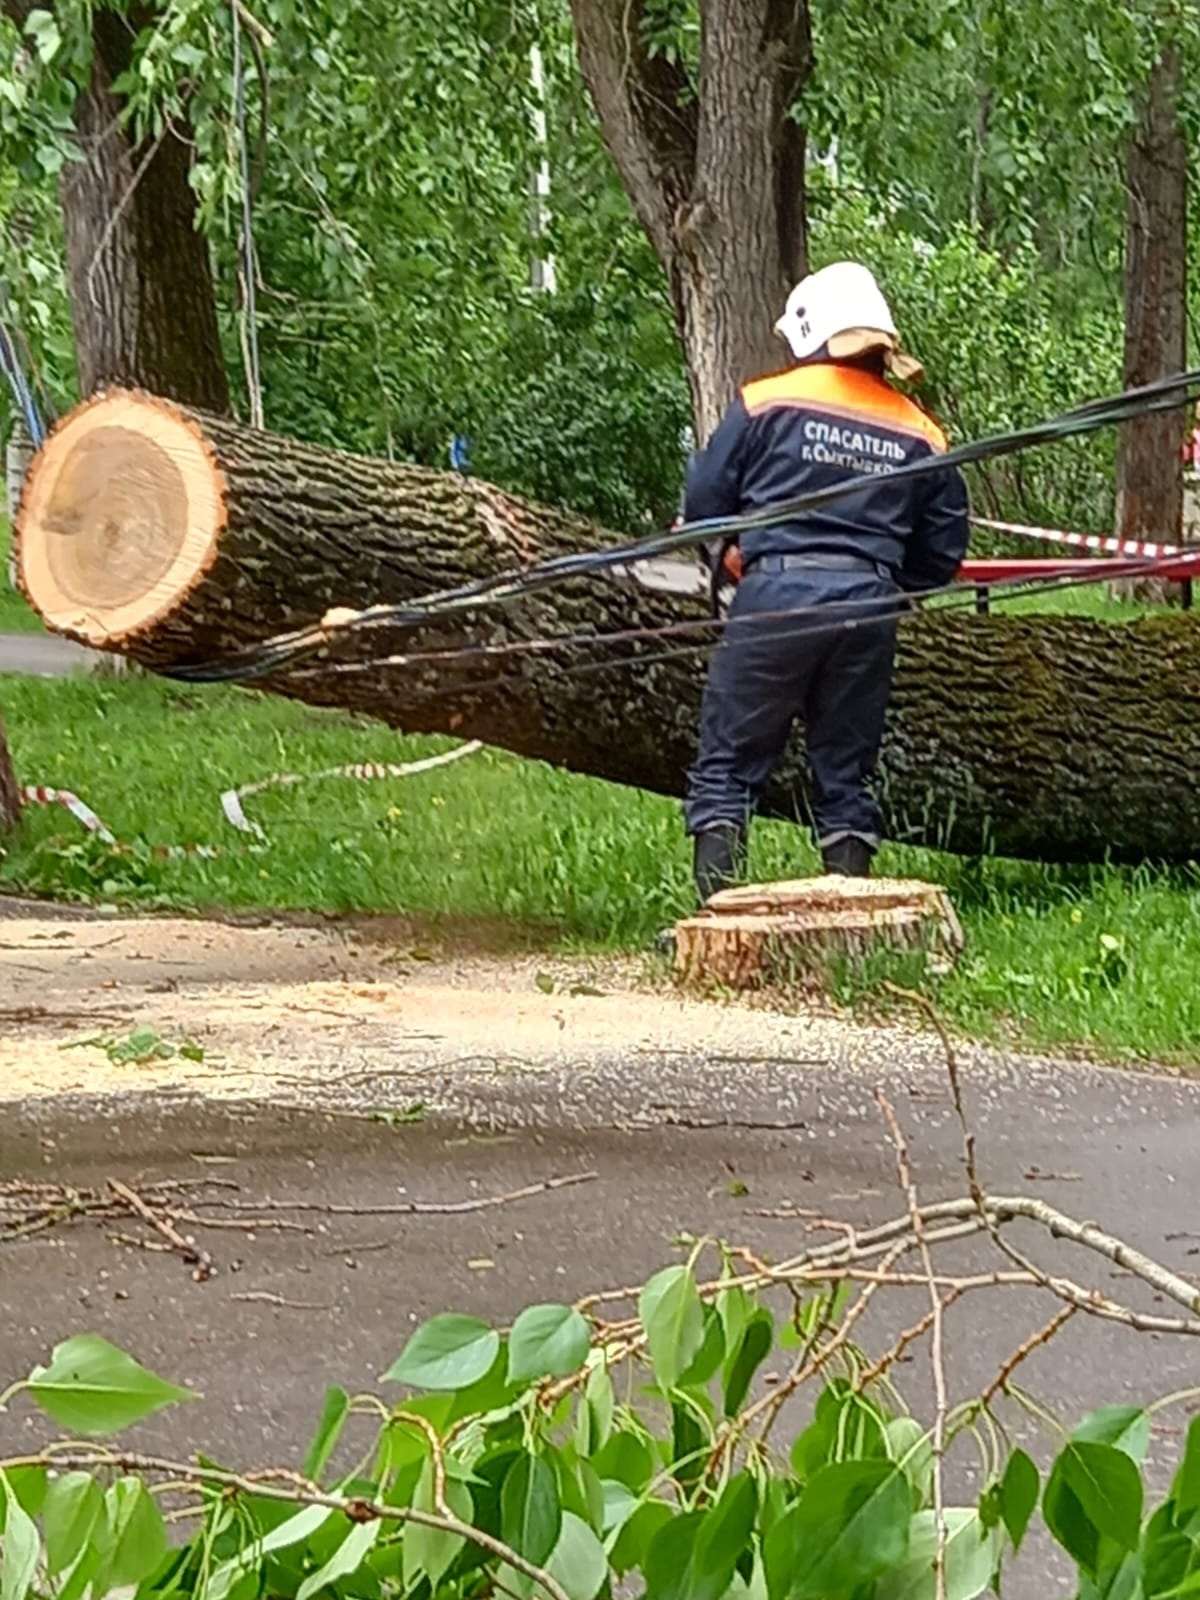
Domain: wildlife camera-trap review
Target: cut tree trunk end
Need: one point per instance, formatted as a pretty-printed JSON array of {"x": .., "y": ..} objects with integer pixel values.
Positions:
[
  {"x": 177, "y": 538},
  {"x": 792, "y": 932}
]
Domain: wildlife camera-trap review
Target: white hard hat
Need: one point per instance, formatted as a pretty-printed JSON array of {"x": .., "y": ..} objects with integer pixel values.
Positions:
[{"x": 843, "y": 308}]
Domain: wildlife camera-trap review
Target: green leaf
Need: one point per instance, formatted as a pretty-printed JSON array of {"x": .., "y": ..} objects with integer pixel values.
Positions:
[
  {"x": 1125, "y": 1428},
  {"x": 547, "y": 1341},
  {"x": 530, "y": 1512},
  {"x": 578, "y": 1560},
  {"x": 91, "y": 1387},
  {"x": 850, "y": 1525},
  {"x": 344, "y": 1561},
  {"x": 1094, "y": 1491},
  {"x": 638, "y": 1532},
  {"x": 428, "y": 1552},
  {"x": 627, "y": 1458},
  {"x": 293, "y": 1530},
  {"x": 673, "y": 1316},
  {"x": 710, "y": 1355},
  {"x": 333, "y": 1416},
  {"x": 18, "y": 1565},
  {"x": 135, "y": 1537},
  {"x": 74, "y": 1504},
  {"x": 734, "y": 1308},
  {"x": 751, "y": 1352},
  {"x": 679, "y": 1565},
  {"x": 1108, "y": 1486},
  {"x": 971, "y": 1557},
  {"x": 911, "y": 1448},
  {"x": 594, "y": 1420},
  {"x": 29, "y": 1486},
  {"x": 447, "y": 1352},
  {"x": 620, "y": 1503},
  {"x": 1187, "y": 1481},
  {"x": 1018, "y": 1495},
  {"x": 41, "y": 27},
  {"x": 728, "y": 1526},
  {"x": 1068, "y": 1523}
]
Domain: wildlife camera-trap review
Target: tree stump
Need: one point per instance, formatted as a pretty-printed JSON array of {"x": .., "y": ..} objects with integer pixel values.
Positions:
[{"x": 749, "y": 936}]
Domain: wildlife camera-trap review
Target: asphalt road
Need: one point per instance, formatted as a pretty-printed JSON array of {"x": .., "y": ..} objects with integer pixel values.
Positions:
[{"x": 1117, "y": 1148}]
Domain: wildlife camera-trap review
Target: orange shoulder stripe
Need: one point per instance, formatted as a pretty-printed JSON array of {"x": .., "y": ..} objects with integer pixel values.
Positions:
[{"x": 847, "y": 391}]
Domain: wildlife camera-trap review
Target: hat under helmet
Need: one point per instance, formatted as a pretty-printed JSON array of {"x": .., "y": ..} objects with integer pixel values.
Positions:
[{"x": 841, "y": 308}]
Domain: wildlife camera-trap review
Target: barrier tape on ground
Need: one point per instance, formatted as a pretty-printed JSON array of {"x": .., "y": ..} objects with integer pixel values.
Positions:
[
  {"x": 37, "y": 794},
  {"x": 1082, "y": 541},
  {"x": 362, "y": 771}
]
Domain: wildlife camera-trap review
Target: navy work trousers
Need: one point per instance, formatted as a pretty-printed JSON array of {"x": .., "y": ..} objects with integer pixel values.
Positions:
[{"x": 769, "y": 669}]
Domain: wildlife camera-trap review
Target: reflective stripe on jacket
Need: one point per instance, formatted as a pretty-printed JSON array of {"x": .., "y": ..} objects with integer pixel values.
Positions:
[{"x": 817, "y": 425}]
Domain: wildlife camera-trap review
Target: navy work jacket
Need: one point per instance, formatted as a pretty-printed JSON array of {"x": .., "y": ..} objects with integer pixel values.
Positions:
[{"x": 819, "y": 424}]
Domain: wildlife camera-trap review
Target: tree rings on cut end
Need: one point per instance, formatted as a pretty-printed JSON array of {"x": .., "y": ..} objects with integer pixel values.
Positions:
[{"x": 120, "y": 517}]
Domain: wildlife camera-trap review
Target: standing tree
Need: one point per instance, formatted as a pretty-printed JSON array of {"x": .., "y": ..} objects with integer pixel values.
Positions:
[
  {"x": 141, "y": 283},
  {"x": 1149, "y": 483},
  {"x": 711, "y": 149}
]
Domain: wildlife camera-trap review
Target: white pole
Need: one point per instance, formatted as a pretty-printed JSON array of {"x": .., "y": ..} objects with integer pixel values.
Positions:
[{"x": 543, "y": 275}]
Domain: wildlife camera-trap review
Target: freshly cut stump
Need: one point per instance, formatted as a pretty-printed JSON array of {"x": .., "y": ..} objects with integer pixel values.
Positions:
[{"x": 752, "y": 935}]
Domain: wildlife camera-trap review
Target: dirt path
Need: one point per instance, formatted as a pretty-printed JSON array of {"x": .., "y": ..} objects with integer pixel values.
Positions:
[{"x": 314, "y": 1014}]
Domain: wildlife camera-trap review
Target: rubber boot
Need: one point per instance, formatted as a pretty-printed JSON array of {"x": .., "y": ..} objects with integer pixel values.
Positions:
[
  {"x": 718, "y": 859},
  {"x": 848, "y": 858}
]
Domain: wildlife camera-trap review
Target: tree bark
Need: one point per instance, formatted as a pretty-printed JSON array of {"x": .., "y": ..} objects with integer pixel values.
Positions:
[
  {"x": 10, "y": 792},
  {"x": 1149, "y": 479},
  {"x": 180, "y": 538},
  {"x": 143, "y": 302},
  {"x": 715, "y": 171}
]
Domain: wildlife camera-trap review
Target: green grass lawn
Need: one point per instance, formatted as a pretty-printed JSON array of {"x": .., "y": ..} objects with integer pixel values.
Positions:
[{"x": 1100, "y": 959}]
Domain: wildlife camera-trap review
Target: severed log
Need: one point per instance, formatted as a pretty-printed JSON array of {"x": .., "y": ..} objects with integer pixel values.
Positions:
[{"x": 176, "y": 538}]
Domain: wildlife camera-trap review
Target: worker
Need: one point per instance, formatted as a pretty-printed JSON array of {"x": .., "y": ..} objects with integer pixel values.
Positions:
[{"x": 831, "y": 417}]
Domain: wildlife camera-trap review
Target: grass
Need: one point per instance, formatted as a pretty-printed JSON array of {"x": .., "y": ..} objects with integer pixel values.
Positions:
[
  {"x": 15, "y": 615},
  {"x": 1099, "y": 959}
]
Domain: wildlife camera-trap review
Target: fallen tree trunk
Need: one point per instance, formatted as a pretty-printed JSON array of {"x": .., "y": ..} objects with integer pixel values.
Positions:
[{"x": 178, "y": 538}]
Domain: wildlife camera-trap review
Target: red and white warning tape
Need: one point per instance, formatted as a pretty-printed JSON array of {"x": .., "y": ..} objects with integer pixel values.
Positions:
[
  {"x": 1140, "y": 548},
  {"x": 363, "y": 771},
  {"x": 37, "y": 794}
]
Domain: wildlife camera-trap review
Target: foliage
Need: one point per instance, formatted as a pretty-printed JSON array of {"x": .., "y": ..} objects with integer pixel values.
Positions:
[
  {"x": 572, "y": 1456},
  {"x": 393, "y": 233},
  {"x": 1013, "y": 361}
]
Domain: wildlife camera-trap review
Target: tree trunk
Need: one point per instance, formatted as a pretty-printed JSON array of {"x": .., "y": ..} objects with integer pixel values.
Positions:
[
  {"x": 10, "y": 793},
  {"x": 180, "y": 538},
  {"x": 141, "y": 284},
  {"x": 1149, "y": 480},
  {"x": 715, "y": 171}
]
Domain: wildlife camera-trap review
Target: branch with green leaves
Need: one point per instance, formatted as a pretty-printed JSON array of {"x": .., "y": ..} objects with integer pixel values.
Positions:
[{"x": 726, "y": 1437}]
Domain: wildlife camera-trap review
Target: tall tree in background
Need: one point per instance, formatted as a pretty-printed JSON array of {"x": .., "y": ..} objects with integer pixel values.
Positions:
[
  {"x": 712, "y": 156},
  {"x": 1149, "y": 484},
  {"x": 140, "y": 277}
]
